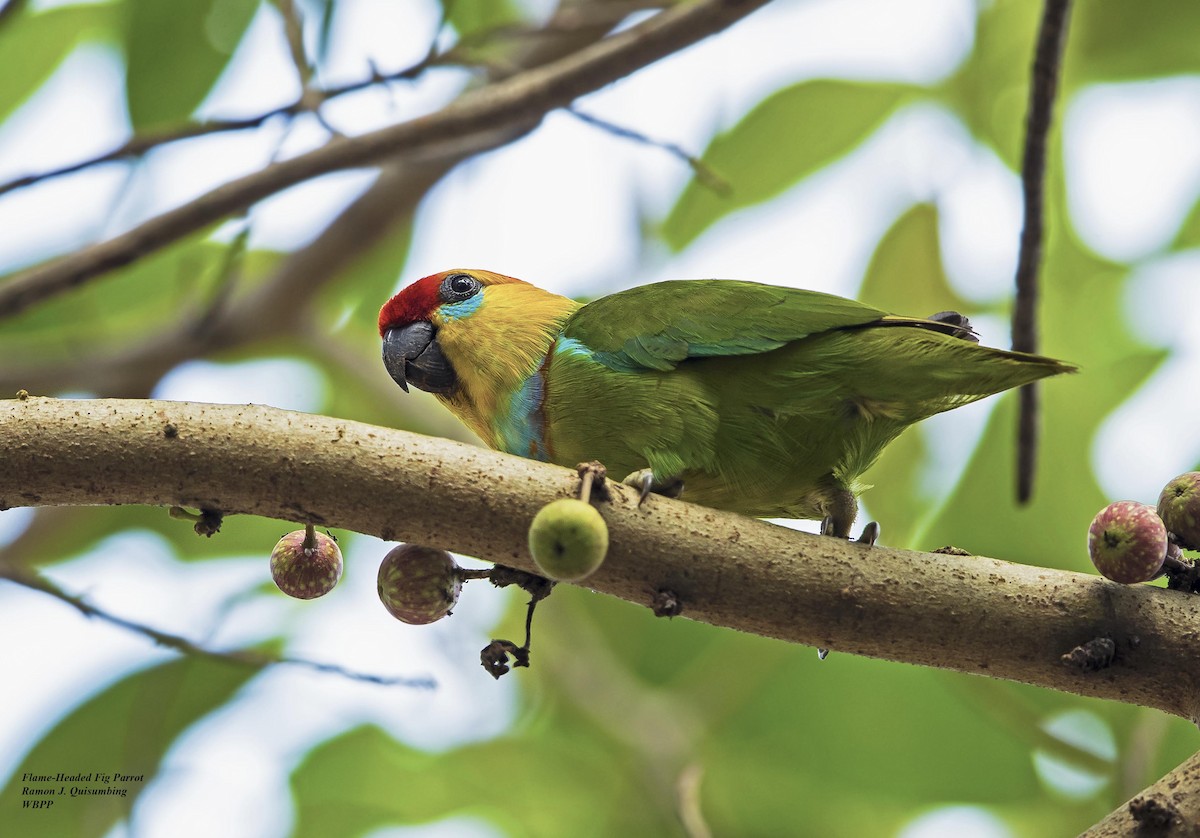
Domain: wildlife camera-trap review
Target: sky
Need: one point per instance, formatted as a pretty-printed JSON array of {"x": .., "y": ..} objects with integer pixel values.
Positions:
[{"x": 552, "y": 209}]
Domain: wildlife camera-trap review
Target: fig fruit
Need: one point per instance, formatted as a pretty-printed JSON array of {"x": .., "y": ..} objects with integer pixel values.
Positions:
[
  {"x": 306, "y": 564},
  {"x": 568, "y": 540},
  {"x": 1179, "y": 508},
  {"x": 418, "y": 585},
  {"x": 1128, "y": 542}
]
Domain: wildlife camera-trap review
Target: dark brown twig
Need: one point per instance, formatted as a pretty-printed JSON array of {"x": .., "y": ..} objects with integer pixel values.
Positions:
[
  {"x": 256, "y": 660},
  {"x": 1052, "y": 36}
]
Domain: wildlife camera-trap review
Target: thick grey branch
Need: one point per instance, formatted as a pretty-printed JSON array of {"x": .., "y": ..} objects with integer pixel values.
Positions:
[
  {"x": 474, "y": 122},
  {"x": 965, "y": 613}
]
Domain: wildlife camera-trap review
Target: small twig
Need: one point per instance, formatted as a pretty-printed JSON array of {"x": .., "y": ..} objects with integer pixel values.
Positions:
[
  {"x": 138, "y": 146},
  {"x": 705, "y": 176},
  {"x": 494, "y": 656},
  {"x": 478, "y": 120},
  {"x": 227, "y": 277},
  {"x": 293, "y": 29},
  {"x": 256, "y": 660},
  {"x": 1052, "y": 36}
]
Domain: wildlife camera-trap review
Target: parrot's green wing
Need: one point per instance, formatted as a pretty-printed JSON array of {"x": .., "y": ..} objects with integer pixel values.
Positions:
[{"x": 654, "y": 327}]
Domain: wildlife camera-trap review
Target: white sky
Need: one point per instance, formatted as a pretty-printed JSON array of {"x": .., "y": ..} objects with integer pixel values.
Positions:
[{"x": 553, "y": 209}]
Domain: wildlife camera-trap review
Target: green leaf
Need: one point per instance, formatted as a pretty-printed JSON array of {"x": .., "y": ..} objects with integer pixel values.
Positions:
[
  {"x": 990, "y": 91},
  {"x": 1121, "y": 40},
  {"x": 175, "y": 52},
  {"x": 38, "y": 43},
  {"x": 476, "y": 17},
  {"x": 906, "y": 276},
  {"x": 530, "y": 785},
  {"x": 1083, "y": 308},
  {"x": 1188, "y": 236},
  {"x": 786, "y": 137},
  {"x": 126, "y": 728},
  {"x": 155, "y": 293}
]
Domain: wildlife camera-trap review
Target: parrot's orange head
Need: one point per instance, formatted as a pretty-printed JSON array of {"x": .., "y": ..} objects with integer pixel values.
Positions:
[{"x": 410, "y": 324}]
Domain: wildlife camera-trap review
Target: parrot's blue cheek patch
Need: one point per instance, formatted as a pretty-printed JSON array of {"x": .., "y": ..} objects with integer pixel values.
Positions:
[{"x": 459, "y": 310}]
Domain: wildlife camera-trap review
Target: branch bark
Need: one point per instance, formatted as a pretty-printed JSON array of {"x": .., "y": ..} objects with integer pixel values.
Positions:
[
  {"x": 1170, "y": 807},
  {"x": 964, "y": 613},
  {"x": 475, "y": 122}
]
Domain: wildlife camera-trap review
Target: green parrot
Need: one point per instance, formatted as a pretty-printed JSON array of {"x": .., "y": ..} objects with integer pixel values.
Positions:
[{"x": 757, "y": 399}]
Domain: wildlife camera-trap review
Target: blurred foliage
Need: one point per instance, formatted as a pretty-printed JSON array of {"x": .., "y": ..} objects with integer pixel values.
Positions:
[
  {"x": 788, "y": 136},
  {"x": 631, "y": 724},
  {"x": 174, "y": 53},
  {"x": 126, "y": 729}
]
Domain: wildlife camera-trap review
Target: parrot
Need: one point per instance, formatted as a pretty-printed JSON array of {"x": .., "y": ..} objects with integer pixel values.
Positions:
[{"x": 764, "y": 400}]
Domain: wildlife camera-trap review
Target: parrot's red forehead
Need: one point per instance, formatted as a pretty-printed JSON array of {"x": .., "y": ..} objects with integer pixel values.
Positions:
[{"x": 413, "y": 303}]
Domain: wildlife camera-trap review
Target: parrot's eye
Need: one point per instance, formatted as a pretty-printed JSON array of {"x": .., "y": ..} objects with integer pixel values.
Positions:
[{"x": 458, "y": 287}]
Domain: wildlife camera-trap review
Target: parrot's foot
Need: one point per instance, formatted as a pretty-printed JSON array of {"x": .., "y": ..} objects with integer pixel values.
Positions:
[
  {"x": 822, "y": 654},
  {"x": 646, "y": 482},
  {"x": 868, "y": 536}
]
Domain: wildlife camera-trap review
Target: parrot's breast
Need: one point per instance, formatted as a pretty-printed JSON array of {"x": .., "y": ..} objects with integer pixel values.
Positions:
[{"x": 520, "y": 428}]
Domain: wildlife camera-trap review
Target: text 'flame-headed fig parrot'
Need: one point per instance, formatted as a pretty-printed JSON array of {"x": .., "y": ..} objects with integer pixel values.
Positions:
[{"x": 763, "y": 400}]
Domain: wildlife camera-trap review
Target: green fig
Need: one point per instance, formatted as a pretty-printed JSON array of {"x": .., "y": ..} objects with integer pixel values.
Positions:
[
  {"x": 418, "y": 585},
  {"x": 568, "y": 540},
  {"x": 1128, "y": 542},
  {"x": 306, "y": 564},
  {"x": 1179, "y": 508}
]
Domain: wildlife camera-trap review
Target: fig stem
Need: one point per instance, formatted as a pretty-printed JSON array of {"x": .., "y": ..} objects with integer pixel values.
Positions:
[
  {"x": 585, "y": 485},
  {"x": 310, "y": 538}
]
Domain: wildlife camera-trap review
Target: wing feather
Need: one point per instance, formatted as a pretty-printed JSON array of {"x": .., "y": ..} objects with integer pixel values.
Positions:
[{"x": 655, "y": 327}]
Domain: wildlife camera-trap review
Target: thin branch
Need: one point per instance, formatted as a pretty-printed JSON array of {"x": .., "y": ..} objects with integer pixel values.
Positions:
[
  {"x": 476, "y": 121},
  {"x": 281, "y": 306},
  {"x": 704, "y": 175},
  {"x": 255, "y": 660},
  {"x": 138, "y": 146},
  {"x": 1170, "y": 807},
  {"x": 725, "y": 569},
  {"x": 293, "y": 29},
  {"x": 1051, "y": 39}
]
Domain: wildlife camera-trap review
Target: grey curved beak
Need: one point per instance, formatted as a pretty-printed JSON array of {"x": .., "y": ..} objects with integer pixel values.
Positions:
[{"x": 411, "y": 355}]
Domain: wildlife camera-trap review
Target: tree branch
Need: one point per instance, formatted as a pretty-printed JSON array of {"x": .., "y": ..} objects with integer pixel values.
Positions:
[
  {"x": 474, "y": 122},
  {"x": 965, "y": 613},
  {"x": 1170, "y": 807},
  {"x": 255, "y": 660},
  {"x": 1052, "y": 37},
  {"x": 281, "y": 306}
]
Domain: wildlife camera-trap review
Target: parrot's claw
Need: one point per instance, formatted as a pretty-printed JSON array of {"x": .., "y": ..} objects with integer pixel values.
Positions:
[
  {"x": 869, "y": 534},
  {"x": 646, "y": 483},
  {"x": 822, "y": 654}
]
